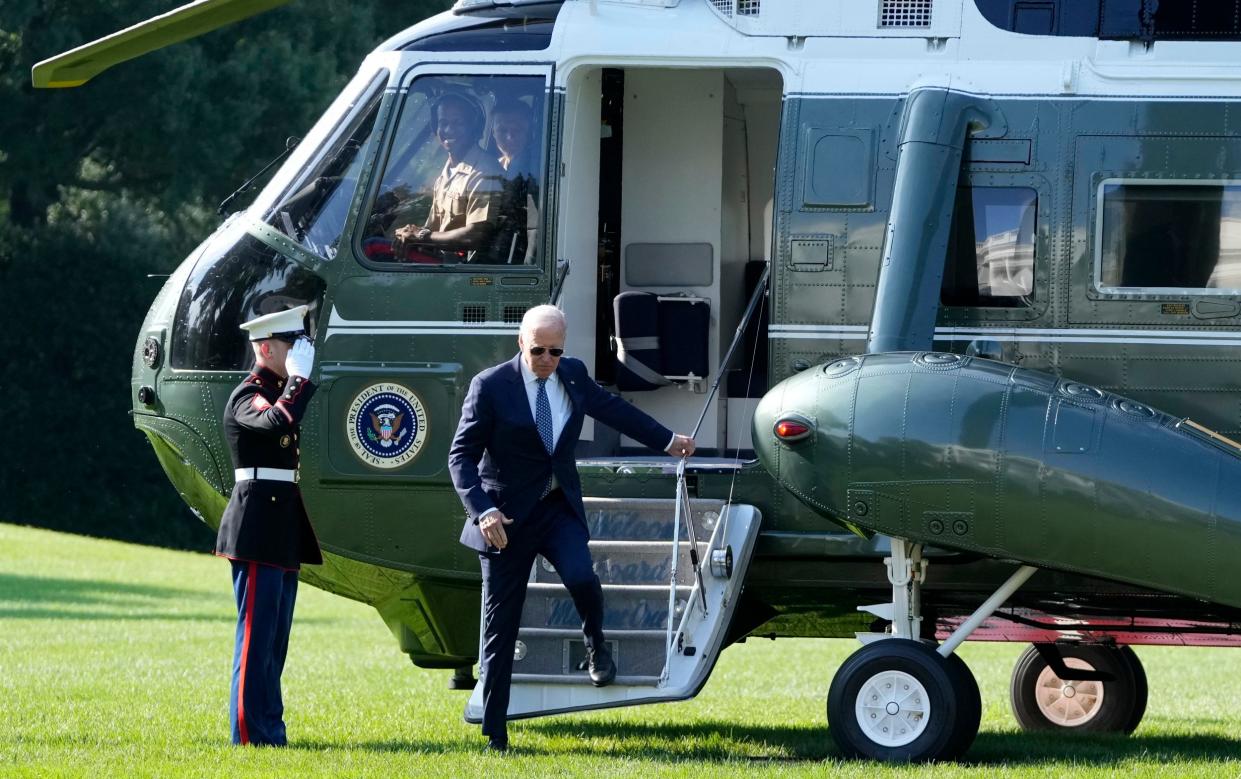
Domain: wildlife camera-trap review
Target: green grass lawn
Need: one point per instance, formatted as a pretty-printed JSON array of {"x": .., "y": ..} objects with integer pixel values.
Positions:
[{"x": 115, "y": 660}]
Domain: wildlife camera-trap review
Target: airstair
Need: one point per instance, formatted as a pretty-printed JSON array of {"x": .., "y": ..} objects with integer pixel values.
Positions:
[
  {"x": 665, "y": 618},
  {"x": 672, "y": 571}
]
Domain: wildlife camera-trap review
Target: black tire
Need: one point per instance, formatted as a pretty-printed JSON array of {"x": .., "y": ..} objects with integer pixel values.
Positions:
[
  {"x": 1096, "y": 707},
  {"x": 1141, "y": 690},
  {"x": 949, "y": 705},
  {"x": 970, "y": 716}
]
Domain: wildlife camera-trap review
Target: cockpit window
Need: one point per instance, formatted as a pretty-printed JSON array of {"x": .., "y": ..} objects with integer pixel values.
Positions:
[
  {"x": 235, "y": 279},
  {"x": 463, "y": 182},
  {"x": 313, "y": 211}
]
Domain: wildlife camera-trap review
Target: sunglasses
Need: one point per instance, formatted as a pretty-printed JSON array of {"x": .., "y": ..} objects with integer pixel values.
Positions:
[{"x": 537, "y": 351}]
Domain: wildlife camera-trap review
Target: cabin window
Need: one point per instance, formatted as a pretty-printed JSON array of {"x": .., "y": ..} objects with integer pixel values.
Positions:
[
  {"x": 463, "y": 182},
  {"x": 1155, "y": 236},
  {"x": 1144, "y": 20},
  {"x": 313, "y": 211},
  {"x": 991, "y": 248}
]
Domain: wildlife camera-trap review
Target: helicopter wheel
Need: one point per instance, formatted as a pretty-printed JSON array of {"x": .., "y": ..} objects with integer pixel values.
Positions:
[
  {"x": 897, "y": 700},
  {"x": 1042, "y": 701},
  {"x": 970, "y": 711}
]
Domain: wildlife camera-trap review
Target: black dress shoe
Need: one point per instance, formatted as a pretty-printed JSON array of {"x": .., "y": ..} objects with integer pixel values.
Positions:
[
  {"x": 496, "y": 746},
  {"x": 601, "y": 667}
]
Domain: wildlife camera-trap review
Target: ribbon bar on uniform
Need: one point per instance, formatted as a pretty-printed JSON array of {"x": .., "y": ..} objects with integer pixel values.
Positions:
[{"x": 266, "y": 474}]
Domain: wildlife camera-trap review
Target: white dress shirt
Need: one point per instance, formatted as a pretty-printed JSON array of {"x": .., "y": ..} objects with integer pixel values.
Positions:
[
  {"x": 556, "y": 396},
  {"x": 558, "y": 399}
]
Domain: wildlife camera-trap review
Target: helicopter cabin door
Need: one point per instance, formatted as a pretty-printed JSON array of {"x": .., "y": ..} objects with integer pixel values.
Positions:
[{"x": 449, "y": 250}]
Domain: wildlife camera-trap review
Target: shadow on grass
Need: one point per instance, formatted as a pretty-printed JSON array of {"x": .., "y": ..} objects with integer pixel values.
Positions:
[
  {"x": 719, "y": 741},
  {"x": 83, "y": 591},
  {"x": 1025, "y": 748},
  {"x": 708, "y": 740},
  {"x": 44, "y": 597},
  {"x": 390, "y": 747}
]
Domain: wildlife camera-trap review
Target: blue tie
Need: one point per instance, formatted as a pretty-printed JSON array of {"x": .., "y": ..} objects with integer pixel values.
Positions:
[{"x": 543, "y": 415}]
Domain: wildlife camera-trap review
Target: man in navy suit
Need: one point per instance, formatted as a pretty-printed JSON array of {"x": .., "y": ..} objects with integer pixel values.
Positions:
[{"x": 512, "y": 462}]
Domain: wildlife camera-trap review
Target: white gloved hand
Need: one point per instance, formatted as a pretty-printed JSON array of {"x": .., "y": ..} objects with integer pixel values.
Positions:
[{"x": 301, "y": 359}]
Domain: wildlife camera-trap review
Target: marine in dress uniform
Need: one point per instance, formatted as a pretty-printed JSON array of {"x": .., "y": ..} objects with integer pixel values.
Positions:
[
  {"x": 512, "y": 462},
  {"x": 265, "y": 532}
]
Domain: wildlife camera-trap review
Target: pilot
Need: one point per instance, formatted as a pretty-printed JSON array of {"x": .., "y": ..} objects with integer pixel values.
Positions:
[
  {"x": 517, "y": 230},
  {"x": 511, "y": 120},
  {"x": 265, "y": 532},
  {"x": 465, "y": 196}
]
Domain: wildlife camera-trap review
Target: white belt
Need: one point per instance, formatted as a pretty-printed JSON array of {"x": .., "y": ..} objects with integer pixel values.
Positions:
[{"x": 266, "y": 474}]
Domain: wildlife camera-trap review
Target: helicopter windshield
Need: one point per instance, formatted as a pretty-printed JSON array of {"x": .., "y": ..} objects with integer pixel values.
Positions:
[
  {"x": 313, "y": 211},
  {"x": 463, "y": 180}
]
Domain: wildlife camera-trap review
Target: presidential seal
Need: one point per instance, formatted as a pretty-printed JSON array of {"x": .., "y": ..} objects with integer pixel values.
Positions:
[{"x": 386, "y": 425}]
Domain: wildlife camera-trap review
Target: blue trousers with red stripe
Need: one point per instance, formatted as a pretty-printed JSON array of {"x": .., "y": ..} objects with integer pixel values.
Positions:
[{"x": 265, "y": 596}]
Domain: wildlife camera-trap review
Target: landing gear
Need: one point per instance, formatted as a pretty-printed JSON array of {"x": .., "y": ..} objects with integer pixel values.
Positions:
[
  {"x": 462, "y": 678},
  {"x": 1106, "y": 690},
  {"x": 898, "y": 700}
]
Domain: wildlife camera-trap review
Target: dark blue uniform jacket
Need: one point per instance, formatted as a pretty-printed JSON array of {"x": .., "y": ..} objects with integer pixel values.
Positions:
[{"x": 265, "y": 521}]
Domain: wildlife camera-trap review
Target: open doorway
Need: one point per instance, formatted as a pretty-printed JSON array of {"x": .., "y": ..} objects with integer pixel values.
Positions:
[{"x": 666, "y": 218}]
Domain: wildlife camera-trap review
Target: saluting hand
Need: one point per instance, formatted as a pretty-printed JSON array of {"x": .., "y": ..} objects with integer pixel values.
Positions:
[
  {"x": 301, "y": 358},
  {"x": 681, "y": 446},
  {"x": 492, "y": 526}
]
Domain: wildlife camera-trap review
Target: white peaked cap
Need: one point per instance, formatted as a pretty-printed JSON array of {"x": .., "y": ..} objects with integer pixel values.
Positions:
[{"x": 290, "y": 322}]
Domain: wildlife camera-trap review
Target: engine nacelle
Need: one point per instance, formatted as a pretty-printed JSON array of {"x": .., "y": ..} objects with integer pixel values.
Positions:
[{"x": 978, "y": 455}]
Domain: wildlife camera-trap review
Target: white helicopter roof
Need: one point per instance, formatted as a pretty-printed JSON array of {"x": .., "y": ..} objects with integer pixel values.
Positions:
[{"x": 872, "y": 47}]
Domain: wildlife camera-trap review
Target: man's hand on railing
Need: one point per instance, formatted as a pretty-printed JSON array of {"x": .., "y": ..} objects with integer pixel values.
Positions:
[{"x": 681, "y": 446}]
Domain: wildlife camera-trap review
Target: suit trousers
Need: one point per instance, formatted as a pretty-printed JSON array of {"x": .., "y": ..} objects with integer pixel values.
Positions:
[
  {"x": 265, "y": 598},
  {"x": 554, "y": 531}
]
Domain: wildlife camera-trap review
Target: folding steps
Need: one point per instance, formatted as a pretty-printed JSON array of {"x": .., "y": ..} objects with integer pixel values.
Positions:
[{"x": 632, "y": 548}]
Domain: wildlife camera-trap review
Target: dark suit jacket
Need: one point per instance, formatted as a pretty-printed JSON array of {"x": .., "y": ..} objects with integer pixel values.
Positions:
[
  {"x": 497, "y": 459},
  {"x": 265, "y": 521}
]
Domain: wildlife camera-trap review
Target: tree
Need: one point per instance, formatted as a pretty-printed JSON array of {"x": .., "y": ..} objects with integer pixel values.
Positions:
[{"x": 104, "y": 184}]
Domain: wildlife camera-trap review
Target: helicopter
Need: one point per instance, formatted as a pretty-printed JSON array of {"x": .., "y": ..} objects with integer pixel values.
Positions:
[{"x": 948, "y": 290}]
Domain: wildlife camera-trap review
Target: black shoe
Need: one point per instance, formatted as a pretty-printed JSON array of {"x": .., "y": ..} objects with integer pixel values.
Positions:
[
  {"x": 601, "y": 667},
  {"x": 496, "y": 746}
]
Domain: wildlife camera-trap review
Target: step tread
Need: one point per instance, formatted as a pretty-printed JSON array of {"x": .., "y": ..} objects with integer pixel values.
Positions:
[
  {"x": 608, "y": 634},
  {"x": 546, "y": 588},
  {"x": 629, "y": 544},
  {"x": 583, "y": 678}
]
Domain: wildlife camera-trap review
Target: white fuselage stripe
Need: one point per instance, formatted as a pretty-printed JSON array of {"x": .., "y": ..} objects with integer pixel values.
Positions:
[
  {"x": 1024, "y": 335},
  {"x": 338, "y": 325},
  {"x": 336, "y": 320},
  {"x": 420, "y": 331}
]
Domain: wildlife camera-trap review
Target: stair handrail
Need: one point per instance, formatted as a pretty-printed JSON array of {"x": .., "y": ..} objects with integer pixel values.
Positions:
[
  {"x": 672, "y": 587},
  {"x": 683, "y": 507},
  {"x": 759, "y": 290}
]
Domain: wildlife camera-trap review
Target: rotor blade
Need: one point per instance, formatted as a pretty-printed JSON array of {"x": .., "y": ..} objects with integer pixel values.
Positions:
[{"x": 76, "y": 67}]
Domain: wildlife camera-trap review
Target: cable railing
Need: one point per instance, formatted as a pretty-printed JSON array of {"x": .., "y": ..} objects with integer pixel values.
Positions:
[{"x": 684, "y": 509}]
